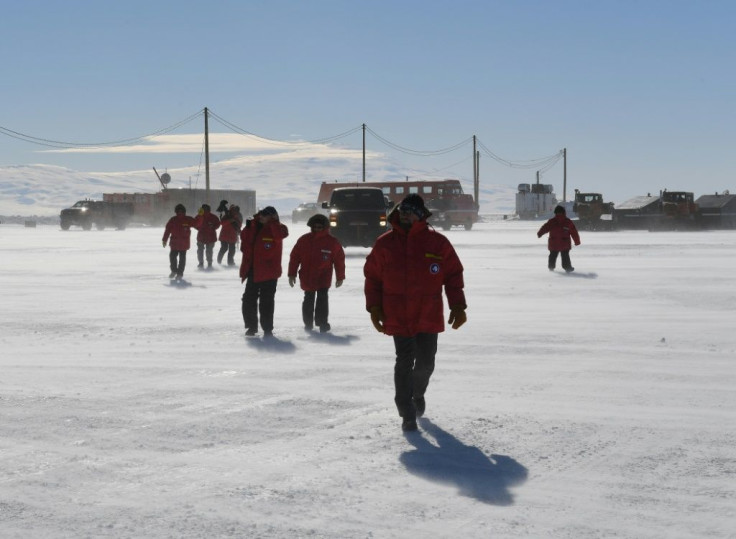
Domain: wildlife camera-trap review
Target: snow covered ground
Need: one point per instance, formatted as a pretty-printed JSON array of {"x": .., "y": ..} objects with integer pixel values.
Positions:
[{"x": 597, "y": 404}]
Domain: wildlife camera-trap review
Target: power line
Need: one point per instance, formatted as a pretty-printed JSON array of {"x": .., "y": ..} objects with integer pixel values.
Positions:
[
  {"x": 61, "y": 144},
  {"x": 546, "y": 162},
  {"x": 542, "y": 163},
  {"x": 468, "y": 158},
  {"x": 337, "y": 137},
  {"x": 241, "y": 131},
  {"x": 419, "y": 152}
]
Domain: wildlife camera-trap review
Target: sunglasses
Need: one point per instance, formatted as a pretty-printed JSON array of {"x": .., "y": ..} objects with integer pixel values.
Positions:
[{"x": 407, "y": 208}]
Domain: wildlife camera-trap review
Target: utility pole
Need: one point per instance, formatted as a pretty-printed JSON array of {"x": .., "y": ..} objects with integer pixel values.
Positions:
[
  {"x": 564, "y": 175},
  {"x": 206, "y": 156},
  {"x": 477, "y": 180},
  {"x": 363, "y": 153},
  {"x": 475, "y": 171}
]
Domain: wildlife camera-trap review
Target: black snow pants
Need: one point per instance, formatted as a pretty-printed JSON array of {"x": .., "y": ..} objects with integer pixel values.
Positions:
[
  {"x": 315, "y": 313},
  {"x": 229, "y": 249},
  {"x": 566, "y": 264},
  {"x": 177, "y": 267},
  {"x": 414, "y": 366},
  {"x": 202, "y": 250},
  {"x": 258, "y": 298}
]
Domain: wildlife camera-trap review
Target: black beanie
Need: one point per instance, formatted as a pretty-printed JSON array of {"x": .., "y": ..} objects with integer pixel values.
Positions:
[
  {"x": 318, "y": 219},
  {"x": 415, "y": 204}
]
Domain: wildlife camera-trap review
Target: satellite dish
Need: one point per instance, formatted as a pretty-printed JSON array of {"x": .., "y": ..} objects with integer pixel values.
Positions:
[{"x": 165, "y": 178}]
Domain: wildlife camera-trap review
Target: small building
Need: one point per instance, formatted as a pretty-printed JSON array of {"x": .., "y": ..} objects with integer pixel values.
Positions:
[
  {"x": 157, "y": 208},
  {"x": 717, "y": 211},
  {"x": 641, "y": 212},
  {"x": 535, "y": 201}
]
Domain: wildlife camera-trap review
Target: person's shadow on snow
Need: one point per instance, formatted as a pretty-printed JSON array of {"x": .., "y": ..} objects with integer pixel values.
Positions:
[
  {"x": 579, "y": 275},
  {"x": 487, "y": 479},
  {"x": 331, "y": 338},
  {"x": 272, "y": 344}
]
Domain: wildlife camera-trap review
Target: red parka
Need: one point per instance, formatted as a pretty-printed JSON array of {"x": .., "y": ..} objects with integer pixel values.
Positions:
[
  {"x": 262, "y": 246},
  {"x": 314, "y": 255},
  {"x": 179, "y": 227},
  {"x": 207, "y": 224},
  {"x": 560, "y": 229},
  {"x": 404, "y": 275},
  {"x": 230, "y": 228}
]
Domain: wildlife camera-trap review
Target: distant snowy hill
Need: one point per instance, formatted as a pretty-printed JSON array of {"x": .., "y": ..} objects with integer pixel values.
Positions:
[{"x": 44, "y": 190}]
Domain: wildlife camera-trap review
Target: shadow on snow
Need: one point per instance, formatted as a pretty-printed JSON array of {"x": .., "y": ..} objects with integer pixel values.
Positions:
[
  {"x": 589, "y": 275},
  {"x": 183, "y": 284},
  {"x": 331, "y": 338},
  {"x": 272, "y": 344},
  {"x": 476, "y": 475}
]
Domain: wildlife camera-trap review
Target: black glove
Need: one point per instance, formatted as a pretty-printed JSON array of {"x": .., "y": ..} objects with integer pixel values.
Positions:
[
  {"x": 457, "y": 316},
  {"x": 377, "y": 318}
]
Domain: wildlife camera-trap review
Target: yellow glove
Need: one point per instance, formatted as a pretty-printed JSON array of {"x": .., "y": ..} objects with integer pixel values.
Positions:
[
  {"x": 292, "y": 281},
  {"x": 457, "y": 316},
  {"x": 338, "y": 284},
  {"x": 377, "y": 318},
  {"x": 201, "y": 211}
]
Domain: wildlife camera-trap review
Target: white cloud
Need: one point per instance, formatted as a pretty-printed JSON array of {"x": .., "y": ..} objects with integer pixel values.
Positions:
[{"x": 218, "y": 142}]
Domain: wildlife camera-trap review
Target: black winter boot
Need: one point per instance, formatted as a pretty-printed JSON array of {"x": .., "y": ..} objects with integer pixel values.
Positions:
[{"x": 419, "y": 405}]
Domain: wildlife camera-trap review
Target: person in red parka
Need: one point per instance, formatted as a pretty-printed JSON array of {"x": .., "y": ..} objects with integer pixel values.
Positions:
[
  {"x": 207, "y": 224},
  {"x": 314, "y": 256},
  {"x": 405, "y": 274},
  {"x": 261, "y": 242},
  {"x": 179, "y": 228},
  {"x": 561, "y": 231},
  {"x": 231, "y": 222}
]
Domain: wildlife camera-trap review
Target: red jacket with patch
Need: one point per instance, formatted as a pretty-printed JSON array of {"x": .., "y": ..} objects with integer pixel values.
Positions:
[
  {"x": 179, "y": 227},
  {"x": 207, "y": 224},
  {"x": 560, "y": 229},
  {"x": 261, "y": 246},
  {"x": 405, "y": 274},
  {"x": 314, "y": 255}
]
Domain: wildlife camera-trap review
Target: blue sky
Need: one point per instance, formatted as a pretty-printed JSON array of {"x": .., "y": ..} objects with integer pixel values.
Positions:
[{"x": 641, "y": 93}]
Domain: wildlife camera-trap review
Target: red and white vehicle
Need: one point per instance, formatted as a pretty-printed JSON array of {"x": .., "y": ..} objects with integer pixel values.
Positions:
[{"x": 444, "y": 198}]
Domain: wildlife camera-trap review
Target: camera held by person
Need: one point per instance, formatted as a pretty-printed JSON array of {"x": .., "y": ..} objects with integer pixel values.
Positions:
[{"x": 222, "y": 208}]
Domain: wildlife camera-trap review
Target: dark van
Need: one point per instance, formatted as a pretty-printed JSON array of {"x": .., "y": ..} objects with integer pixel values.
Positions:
[{"x": 357, "y": 215}]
